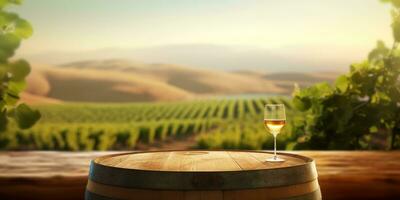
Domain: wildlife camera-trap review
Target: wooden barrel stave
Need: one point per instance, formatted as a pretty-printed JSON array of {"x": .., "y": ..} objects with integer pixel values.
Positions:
[
  {"x": 203, "y": 180},
  {"x": 204, "y": 195},
  {"x": 111, "y": 177}
]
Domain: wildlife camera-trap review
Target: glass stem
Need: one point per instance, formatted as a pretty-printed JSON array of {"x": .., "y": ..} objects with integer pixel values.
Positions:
[{"x": 275, "y": 147}]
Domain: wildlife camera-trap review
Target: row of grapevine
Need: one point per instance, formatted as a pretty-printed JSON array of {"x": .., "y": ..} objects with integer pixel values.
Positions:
[
  {"x": 122, "y": 113},
  {"x": 245, "y": 135},
  {"x": 122, "y": 126},
  {"x": 94, "y": 136},
  {"x": 244, "y": 128}
]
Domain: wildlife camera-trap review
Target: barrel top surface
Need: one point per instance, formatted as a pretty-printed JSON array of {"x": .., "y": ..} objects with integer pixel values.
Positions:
[{"x": 200, "y": 161}]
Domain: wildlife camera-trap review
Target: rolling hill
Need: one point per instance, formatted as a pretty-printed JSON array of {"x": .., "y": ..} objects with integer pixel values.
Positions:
[
  {"x": 129, "y": 81},
  {"x": 287, "y": 79}
]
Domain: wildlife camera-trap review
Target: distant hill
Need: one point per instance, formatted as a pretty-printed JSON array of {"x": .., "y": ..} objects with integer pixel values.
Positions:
[
  {"x": 299, "y": 58},
  {"x": 286, "y": 80},
  {"x": 296, "y": 77},
  {"x": 91, "y": 85},
  {"x": 127, "y": 81}
]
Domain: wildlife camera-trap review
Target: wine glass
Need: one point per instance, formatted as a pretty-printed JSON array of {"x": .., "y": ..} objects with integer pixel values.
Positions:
[{"x": 274, "y": 120}]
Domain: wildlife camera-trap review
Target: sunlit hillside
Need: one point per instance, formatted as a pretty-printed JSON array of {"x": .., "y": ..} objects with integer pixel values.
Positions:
[{"x": 126, "y": 81}]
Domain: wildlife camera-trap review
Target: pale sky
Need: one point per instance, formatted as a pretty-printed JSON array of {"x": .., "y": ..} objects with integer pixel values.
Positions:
[{"x": 82, "y": 25}]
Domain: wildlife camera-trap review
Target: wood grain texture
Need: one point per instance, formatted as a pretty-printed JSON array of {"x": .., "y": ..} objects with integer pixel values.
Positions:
[
  {"x": 198, "y": 161},
  {"x": 200, "y": 170},
  {"x": 63, "y": 175},
  {"x": 256, "y": 194}
]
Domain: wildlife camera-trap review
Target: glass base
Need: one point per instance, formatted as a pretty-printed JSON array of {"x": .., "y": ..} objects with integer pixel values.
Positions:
[{"x": 275, "y": 159}]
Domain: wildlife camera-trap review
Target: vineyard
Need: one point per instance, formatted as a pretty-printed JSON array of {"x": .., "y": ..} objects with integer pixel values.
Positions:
[{"x": 218, "y": 123}]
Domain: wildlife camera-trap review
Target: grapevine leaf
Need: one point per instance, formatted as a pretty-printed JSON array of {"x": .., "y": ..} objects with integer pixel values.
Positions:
[
  {"x": 10, "y": 98},
  {"x": 342, "y": 83},
  {"x": 8, "y": 44},
  {"x": 4, "y": 3},
  {"x": 379, "y": 52},
  {"x": 301, "y": 104},
  {"x": 16, "y": 87},
  {"x": 379, "y": 97},
  {"x": 26, "y": 116},
  {"x": 19, "y": 70},
  {"x": 13, "y": 74},
  {"x": 22, "y": 28},
  {"x": 3, "y": 120},
  {"x": 7, "y": 21},
  {"x": 321, "y": 90}
]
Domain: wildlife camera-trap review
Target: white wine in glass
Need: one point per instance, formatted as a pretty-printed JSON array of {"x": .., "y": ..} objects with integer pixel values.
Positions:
[{"x": 274, "y": 120}]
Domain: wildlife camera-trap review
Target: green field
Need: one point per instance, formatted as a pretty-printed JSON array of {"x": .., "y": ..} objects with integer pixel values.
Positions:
[{"x": 217, "y": 123}]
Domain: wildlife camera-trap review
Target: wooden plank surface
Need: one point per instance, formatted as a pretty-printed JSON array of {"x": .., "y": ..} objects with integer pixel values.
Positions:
[
  {"x": 198, "y": 161},
  {"x": 63, "y": 175}
]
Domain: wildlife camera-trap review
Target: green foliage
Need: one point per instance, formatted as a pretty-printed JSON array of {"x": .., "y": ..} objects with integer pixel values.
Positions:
[
  {"x": 246, "y": 130},
  {"x": 13, "y": 29},
  {"x": 122, "y": 126},
  {"x": 25, "y": 116},
  {"x": 359, "y": 111},
  {"x": 108, "y": 126},
  {"x": 395, "y": 3},
  {"x": 361, "y": 108}
]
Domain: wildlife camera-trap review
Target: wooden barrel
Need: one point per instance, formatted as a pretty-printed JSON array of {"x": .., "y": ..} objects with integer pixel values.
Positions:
[{"x": 208, "y": 175}]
